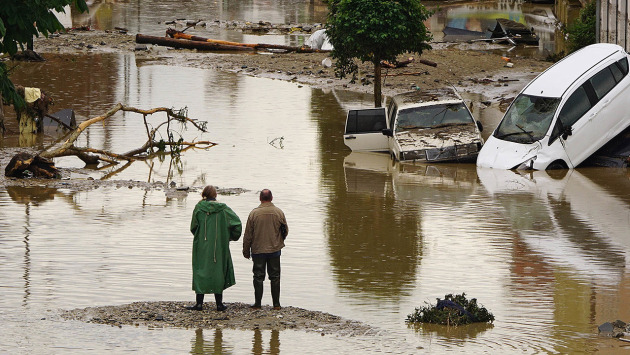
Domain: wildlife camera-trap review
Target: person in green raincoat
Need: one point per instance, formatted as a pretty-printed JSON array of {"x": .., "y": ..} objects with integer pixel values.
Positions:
[{"x": 214, "y": 225}]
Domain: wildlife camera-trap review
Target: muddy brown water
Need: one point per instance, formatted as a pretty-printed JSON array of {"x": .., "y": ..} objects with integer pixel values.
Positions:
[{"x": 370, "y": 239}]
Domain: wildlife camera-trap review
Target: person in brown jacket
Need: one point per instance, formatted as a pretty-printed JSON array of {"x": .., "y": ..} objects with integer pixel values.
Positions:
[{"x": 263, "y": 240}]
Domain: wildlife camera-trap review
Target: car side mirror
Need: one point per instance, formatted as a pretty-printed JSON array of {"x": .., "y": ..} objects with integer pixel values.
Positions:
[
  {"x": 567, "y": 132},
  {"x": 388, "y": 132},
  {"x": 480, "y": 126}
]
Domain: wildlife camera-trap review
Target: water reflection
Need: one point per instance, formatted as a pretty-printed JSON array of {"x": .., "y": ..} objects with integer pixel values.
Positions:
[
  {"x": 458, "y": 335},
  {"x": 27, "y": 195},
  {"x": 263, "y": 342},
  {"x": 375, "y": 222},
  {"x": 258, "y": 347},
  {"x": 148, "y": 17},
  {"x": 217, "y": 346},
  {"x": 555, "y": 215}
]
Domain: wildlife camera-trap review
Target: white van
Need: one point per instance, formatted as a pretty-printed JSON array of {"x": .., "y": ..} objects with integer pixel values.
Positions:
[
  {"x": 565, "y": 114},
  {"x": 430, "y": 126}
]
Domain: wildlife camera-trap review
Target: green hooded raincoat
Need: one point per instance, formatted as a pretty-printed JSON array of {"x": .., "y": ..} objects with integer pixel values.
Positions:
[{"x": 213, "y": 224}]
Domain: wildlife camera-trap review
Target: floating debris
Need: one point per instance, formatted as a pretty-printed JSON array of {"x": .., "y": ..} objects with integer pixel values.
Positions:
[{"x": 452, "y": 311}]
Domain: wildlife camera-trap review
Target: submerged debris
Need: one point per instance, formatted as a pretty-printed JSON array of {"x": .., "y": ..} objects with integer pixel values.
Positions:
[
  {"x": 453, "y": 311},
  {"x": 24, "y": 165},
  {"x": 616, "y": 329}
]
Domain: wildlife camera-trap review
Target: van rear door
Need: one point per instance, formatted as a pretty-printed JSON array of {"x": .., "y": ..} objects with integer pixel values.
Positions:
[{"x": 364, "y": 130}]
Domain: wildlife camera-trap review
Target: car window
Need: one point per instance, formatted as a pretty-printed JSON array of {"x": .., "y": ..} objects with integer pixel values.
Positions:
[
  {"x": 575, "y": 107},
  {"x": 603, "y": 82},
  {"x": 623, "y": 65},
  {"x": 433, "y": 116},
  {"x": 616, "y": 72},
  {"x": 365, "y": 121},
  {"x": 528, "y": 119}
]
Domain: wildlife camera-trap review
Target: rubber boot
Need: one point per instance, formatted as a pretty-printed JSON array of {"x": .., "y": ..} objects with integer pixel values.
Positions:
[
  {"x": 218, "y": 298},
  {"x": 274, "y": 276},
  {"x": 258, "y": 293},
  {"x": 275, "y": 294},
  {"x": 199, "y": 305}
]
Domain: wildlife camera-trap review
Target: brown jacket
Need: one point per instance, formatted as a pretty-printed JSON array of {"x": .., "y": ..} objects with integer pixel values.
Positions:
[{"x": 262, "y": 233}]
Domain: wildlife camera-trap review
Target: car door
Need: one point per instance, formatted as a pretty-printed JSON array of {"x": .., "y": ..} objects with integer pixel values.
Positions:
[
  {"x": 364, "y": 130},
  {"x": 592, "y": 128}
]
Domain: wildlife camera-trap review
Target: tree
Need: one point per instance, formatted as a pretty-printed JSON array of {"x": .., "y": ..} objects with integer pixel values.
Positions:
[
  {"x": 375, "y": 31},
  {"x": 581, "y": 33},
  {"x": 19, "y": 22}
]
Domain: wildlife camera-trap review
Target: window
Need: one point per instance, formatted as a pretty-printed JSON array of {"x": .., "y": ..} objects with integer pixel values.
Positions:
[
  {"x": 528, "y": 119},
  {"x": 603, "y": 82},
  {"x": 575, "y": 107},
  {"x": 616, "y": 71},
  {"x": 433, "y": 116},
  {"x": 623, "y": 65},
  {"x": 365, "y": 121}
]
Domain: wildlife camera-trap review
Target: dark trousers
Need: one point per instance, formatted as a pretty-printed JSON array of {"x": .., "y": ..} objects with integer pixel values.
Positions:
[{"x": 272, "y": 266}]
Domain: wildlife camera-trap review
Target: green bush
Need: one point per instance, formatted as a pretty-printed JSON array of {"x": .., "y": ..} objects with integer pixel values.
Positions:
[
  {"x": 453, "y": 310},
  {"x": 581, "y": 33}
]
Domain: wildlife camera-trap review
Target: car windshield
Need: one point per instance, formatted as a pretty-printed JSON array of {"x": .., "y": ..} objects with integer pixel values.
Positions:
[
  {"x": 528, "y": 119},
  {"x": 432, "y": 116}
]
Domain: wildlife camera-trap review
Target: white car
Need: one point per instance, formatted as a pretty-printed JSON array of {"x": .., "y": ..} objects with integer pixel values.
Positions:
[
  {"x": 565, "y": 114},
  {"x": 430, "y": 126}
]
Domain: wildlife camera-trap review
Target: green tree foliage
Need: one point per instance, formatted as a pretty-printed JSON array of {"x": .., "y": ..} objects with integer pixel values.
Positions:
[
  {"x": 581, "y": 33},
  {"x": 20, "y": 20},
  {"x": 375, "y": 30},
  {"x": 456, "y": 310}
]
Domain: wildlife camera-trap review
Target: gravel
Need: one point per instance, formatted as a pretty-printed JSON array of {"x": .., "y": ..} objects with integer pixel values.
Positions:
[{"x": 237, "y": 316}]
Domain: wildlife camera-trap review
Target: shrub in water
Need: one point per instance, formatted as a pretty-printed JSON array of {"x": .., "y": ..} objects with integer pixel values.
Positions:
[{"x": 452, "y": 310}]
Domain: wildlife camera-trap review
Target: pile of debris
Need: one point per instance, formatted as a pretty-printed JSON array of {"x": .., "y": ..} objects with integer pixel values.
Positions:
[
  {"x": 260, "y": 27},
  {"x": 451, "y": 311},
  {"x": 616, "y": 329}
]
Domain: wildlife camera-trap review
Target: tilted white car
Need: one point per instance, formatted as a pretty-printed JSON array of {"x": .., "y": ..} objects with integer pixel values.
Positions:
[
  {"x": 432, "y": 126},
  {"x": 565, "y": 114}
]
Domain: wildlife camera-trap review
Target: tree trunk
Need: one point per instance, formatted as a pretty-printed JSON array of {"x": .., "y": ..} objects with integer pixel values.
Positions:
[
  {"x": 378, "y": 97},
  {"x": 301, "y": 49},
  {"x": 2, "y": 128},
  {"x": 186, "y": 44}
]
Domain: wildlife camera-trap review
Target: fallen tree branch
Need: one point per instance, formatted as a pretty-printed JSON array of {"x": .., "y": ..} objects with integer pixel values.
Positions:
[
  {"x": 412, "y": 73},
  {"x": 69, "y": 143},
  {"x": 186, "y": 44},
  {"x": 93, "y": 156},
  {"x": 184, "y": 36},
  {"x": 428, "y": 62}
]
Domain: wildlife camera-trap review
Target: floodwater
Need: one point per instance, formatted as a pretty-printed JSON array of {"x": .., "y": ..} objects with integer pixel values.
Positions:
[{"x": 546, "y": 253}]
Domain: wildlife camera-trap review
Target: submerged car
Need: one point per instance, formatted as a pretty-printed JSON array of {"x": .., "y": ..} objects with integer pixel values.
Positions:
[
  {"x": 565, "y": 114},
  {"x": 432, "y": 126}
]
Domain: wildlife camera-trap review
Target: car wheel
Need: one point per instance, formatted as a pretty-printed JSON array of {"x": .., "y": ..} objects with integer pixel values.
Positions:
[{"x": 557, "y": 165}]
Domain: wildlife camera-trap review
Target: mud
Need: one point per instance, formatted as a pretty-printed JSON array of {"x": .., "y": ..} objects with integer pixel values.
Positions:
[
  {"x": 237, "y": 316},
  {"x": 473, "y": 67}
]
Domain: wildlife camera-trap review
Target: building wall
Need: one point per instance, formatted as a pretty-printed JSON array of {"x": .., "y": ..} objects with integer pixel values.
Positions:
[{"x": 613, "y": 24}]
